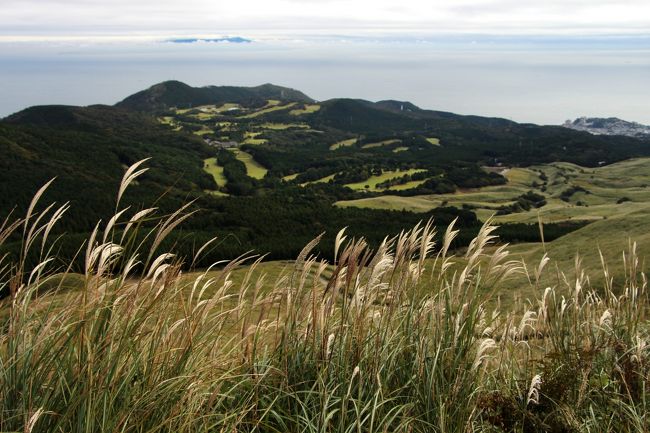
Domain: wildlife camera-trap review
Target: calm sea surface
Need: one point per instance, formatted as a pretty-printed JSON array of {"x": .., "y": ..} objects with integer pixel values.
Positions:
[{"x": 537, "y": 80}]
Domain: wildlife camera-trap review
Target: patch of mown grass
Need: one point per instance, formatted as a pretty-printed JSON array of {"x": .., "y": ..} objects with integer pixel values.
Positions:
[
  {"x": 204, "y": 131},
  {"x": 290, "y": 177},
  {"x": 270, "y": 108},
  {"x": 307, "y": 109},
  {"x": 343, "y": 143},
  {"x": 321, "y": 180},
  {"x": 251, "y": 138},
  {"x": 372, "y": 181},
  {"x": 407, "y": 185},
  {"x": 380, "y": 144},
  {"x": 253, "y": 168},
  {"x": 282, "y": 126},
  {"x": 210, "y": 166}
]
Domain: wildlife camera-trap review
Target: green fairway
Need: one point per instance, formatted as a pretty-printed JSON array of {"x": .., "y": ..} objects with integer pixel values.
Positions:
[
  {"x": 225, "y": 126},
  {"x": 251, "y": 138},
  {"x": 207, "y": 112},
  {"x": 380, "y": 144},
  {"x": 204, "y": 131},
  {"x": 253, "y": 168},
  {"x": 282, "y": 126},
  {"x": 272, "y": 106},
  {"x": 343, "y": 143},
  {"x": 321, "y": 180},
  {"x": 308, "y": 109},
  {"x": 400, "y": 149},
  {"x": 391, "y": 202},
  {"x": 170, "y": 121},
  {"x": 372, "y": 181},
  {"x": 228, "y": 106},
  {"x": 434, "y": 141},
  {"x": 210, "y": 165},
  {"x": 216, "y": 193},
  {"x": 290, "y": 177},
  {"x": 407, "y": 185}
]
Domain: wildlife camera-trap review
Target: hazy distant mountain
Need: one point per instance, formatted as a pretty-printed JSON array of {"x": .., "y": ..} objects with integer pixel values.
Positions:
[
  {"x": 176, "y": 94},
  {"x": 608, "y": 126},
  {"x": 231, "y": 39}
]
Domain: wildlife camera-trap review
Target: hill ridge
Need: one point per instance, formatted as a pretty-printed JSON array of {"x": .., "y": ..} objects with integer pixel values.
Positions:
[{"x": 174, "y": 93}]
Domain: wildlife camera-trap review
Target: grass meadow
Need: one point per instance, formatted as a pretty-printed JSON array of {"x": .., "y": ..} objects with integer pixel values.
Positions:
[
  {"x": 409, "y": 337},
  {"x": 603, "y": 192}
]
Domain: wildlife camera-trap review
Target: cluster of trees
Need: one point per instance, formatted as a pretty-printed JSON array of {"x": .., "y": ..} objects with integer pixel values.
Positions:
[
  {"x": 401, "y": 180},
  {"x": 239, "y": 183},
  {"x": 525, "y": 202},
  {"x": 568, "y": 193}
]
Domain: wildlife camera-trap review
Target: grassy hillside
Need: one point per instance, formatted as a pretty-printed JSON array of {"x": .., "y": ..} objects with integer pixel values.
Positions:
[
  {"x": 612, "y": 237},
  {"x": 571, "y": 192},
  {"x": 401, "y": 338}
]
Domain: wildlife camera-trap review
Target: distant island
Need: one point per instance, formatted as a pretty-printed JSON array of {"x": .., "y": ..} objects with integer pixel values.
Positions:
[{"x": 233, "y": 39}]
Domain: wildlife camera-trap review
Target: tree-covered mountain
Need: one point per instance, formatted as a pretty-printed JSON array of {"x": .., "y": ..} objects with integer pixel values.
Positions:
[
  {"x": 475, "y": 138},
  {"x": 176, "y": 94},
  {"x": 87, "y": 150},
  {"x": 260, "y": 158}
]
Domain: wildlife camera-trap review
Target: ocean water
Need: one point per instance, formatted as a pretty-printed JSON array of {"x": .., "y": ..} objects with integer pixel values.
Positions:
[{"x": 539, "y": 80}]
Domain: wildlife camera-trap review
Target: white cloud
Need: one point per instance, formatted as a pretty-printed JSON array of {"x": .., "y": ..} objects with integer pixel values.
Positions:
[{"x": 56, "y": 17}]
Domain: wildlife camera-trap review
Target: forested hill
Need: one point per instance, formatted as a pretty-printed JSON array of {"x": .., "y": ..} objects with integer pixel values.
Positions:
[
  {"x": 476, "y": 138},
  {"x": 241, "y": 151},
  {"x": 177, "y": 94},
  {"x": 465, "y": 137},
  {"x": 87, "y": 150}
]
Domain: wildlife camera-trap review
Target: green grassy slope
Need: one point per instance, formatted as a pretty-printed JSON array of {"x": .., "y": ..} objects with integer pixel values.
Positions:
[
  {"x": 613, "y": 237},
  {"x": 614, "y": 190}
]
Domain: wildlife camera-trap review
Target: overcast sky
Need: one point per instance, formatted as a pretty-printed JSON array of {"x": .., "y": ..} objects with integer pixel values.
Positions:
[
  {"x": 60, "y": 18},
  {"x": 530, "y": 60}
]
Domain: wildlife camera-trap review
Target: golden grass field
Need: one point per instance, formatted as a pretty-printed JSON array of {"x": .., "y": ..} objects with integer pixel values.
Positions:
[{"x": 407, "y": 337}]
